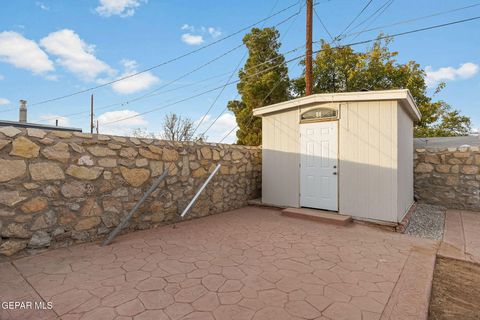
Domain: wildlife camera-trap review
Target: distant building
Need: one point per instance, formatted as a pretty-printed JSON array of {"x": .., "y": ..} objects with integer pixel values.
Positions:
[{"x": 22, "y": 122}]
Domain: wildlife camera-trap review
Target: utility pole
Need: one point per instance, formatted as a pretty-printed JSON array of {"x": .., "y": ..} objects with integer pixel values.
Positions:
[
  {"x": 91, "y": 114},
  {"x": 97, "y": 127},
  {"x": 308, "y": 46}
]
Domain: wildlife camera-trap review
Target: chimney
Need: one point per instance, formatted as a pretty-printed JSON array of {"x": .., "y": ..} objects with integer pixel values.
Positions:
[{"x": 23, "y": 111}]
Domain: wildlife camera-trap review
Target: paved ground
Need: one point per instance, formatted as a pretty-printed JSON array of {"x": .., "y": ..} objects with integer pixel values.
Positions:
[
  {"x": 250, "y": 263},
  {"x": 456, "y": 285},
  {"x": 461, "y": 239}
]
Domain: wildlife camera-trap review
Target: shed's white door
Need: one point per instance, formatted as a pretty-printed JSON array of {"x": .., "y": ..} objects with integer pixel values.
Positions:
[{"x": 318, "y": 165}]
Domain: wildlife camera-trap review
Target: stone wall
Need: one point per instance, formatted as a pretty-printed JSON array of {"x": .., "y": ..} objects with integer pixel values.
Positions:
[
  {"x": 448, "y": 177},
  {"x": 57, "y": 187}
]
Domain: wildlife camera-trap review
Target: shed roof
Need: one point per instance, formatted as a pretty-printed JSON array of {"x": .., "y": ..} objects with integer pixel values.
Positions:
[{"x": 402, "y": 95}]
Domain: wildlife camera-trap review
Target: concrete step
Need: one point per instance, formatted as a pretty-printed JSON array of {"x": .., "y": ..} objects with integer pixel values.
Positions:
[{"x": 317, "y": 215}]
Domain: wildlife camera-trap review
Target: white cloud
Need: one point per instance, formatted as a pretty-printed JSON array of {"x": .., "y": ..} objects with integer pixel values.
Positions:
[
  {"x": 188, "y": 27},
  {"x": 214, "y": 32},
  {"x": 123, "y": 127},
  {"x": 195, "y": 35},
  {"x": 42, "y": 6},
  {"x": 74, "y": 54},
  {"x": 122, "y": 8},
  {"x": 134, "y": 84},
  {"x": 4, "y": 101},
  {"x": 51, "y": 119},
  {"x": 225, "y": 123},
  {"x": 23, "y": 53},
  {"x": 191, "y": 39},
  {"x": 465, "y": 71}
]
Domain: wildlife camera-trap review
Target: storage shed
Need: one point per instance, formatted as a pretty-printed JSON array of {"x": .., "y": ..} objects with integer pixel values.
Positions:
[{"x": 346, "y": 152}]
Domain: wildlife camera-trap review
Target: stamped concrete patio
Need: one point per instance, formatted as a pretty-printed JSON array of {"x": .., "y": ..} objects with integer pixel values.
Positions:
[{"x": 250, "y": 263}]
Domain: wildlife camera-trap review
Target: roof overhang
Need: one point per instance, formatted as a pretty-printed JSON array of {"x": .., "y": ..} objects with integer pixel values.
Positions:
[
  {"x": 17, "y": 124},
  {"x": 403, "y": 96}
]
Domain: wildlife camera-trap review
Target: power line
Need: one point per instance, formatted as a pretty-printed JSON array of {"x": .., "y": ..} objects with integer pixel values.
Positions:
[
  {"x": 414, "y": 19},
  {"x": 123, "y": 103},
  {"x": 263, "y": 100},
  {"x": 229, "y": 78},
  {"x": 323, "y": 25},
  {"x": 372, "y": 40},
  {"x": 222, "y": 74},
  {"x": 301, "y": 56},
  {"x": 109, "y": 106},
  {"x": 168, "y": 61},
  {"x": 296, "y": 58},
  {"x": 154, "y": 92},
  {"x": 375, "y": 16},
  {"x": 384, "y": 5},
  {"x": 237, "y": 68},
  {"x": 198, "y": 95},
  {"x": 354, "y": 19},
  {"x": 218, "y": 95}
]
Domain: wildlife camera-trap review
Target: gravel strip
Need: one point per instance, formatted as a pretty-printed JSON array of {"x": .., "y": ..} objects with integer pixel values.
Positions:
[{"x": 427, "y": 222}]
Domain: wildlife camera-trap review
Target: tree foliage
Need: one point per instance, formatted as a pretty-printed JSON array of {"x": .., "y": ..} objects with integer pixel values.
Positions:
[
  {"x": 342, "y": 70},
  {"x": 263, "y": 81}
]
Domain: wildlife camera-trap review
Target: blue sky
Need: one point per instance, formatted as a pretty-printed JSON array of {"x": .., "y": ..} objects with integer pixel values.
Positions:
[{"x": 53, "y": 48}]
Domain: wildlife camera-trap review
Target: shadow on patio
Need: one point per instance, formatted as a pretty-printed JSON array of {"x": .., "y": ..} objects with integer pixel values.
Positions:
[{"x": 250, "y": 263}]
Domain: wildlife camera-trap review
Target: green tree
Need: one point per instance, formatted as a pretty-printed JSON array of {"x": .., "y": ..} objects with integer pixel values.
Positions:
[
  {"x": 342, "y": 69},
  {"x": 263, "y": 81}
]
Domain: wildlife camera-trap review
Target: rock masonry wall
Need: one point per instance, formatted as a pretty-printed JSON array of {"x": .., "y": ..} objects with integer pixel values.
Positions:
[
  {"x": 448, "y": 177},
  {"x": 58, "y": 188}
]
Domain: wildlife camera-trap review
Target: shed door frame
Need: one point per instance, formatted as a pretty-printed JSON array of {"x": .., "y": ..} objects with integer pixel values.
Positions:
[{"x": 315, "y": 169}]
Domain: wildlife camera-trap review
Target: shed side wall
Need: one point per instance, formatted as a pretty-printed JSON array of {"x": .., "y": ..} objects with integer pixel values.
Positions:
[
  {"x": 281, "y": 158},
  {"x": 368, "y": 160},
  {"x": 405, "y": 163}
]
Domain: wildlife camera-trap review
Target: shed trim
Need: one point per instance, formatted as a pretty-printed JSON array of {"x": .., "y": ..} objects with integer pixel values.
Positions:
[{"x": 403, "y": 96}]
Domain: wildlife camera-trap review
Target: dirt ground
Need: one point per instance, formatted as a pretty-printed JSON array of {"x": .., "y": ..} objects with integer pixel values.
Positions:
[{"x": 455, "y": 290}]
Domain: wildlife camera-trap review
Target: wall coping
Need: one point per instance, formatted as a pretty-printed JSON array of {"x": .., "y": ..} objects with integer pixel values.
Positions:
[
  {"x": 448, "y": 149},
  {"x": 134, "y": 140}
]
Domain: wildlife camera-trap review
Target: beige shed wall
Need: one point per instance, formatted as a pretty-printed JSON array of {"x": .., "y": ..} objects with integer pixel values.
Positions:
[
  {"x": 375, "y": 169},
  {"x": 405, "y": 163},
  {"x": 368, "y": 160},
  {"x": 281, "y": 158}
]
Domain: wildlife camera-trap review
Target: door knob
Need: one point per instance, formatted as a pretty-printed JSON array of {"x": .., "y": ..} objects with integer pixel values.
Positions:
[
  {"x": 334, "y": 167},
  {"x": 335, "y": 173}
]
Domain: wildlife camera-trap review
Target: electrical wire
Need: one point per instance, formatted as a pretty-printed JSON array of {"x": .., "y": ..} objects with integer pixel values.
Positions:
[
  {"x": 154, "y": 92},
  {"x": 380, "y": 13},
  {"x": 316, "y": 51},
  {"x": 387, "y": 3},
  {"x": 237, "y": 68},
  {"x": 109, "y": 106},
  {"x": 251, "y": 116},
  {"x": 198, "y": 95},
  {"x": 372, "y": 40},
  {"x": 229, "y": 79},
  {"x": 145, "y": 96},
  {"x": 354, "y": 19},
  {"x": 323, "y": 25},
  {"x": 414, "y": 19},
  {"x": 167, "y": 61}
]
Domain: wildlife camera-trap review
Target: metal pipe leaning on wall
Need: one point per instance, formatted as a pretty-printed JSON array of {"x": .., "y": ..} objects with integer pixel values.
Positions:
[
  {"x": 185, "y": 211},
  {"x": 124, "y": 222}
]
